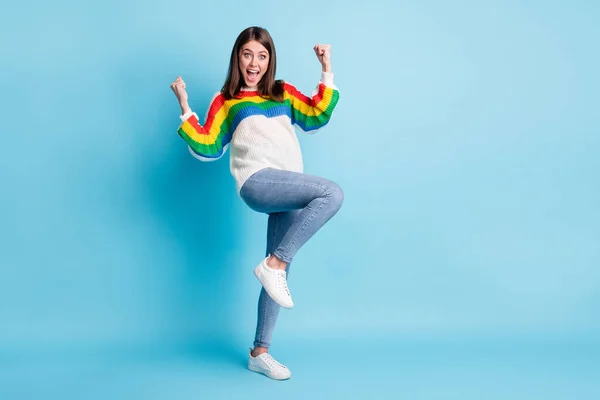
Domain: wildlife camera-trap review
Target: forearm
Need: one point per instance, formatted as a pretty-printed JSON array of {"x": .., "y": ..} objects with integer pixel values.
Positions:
[
  {"x": 185, "y": 107},
  {"x": 203, "y": 144}
]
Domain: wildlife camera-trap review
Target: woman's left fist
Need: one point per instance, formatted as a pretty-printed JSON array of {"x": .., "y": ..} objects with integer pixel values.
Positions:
[{"x": 323, "y": 52}]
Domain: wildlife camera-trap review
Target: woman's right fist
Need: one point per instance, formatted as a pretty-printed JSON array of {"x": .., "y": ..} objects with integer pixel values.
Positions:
[{"x": 178, "y": 87}]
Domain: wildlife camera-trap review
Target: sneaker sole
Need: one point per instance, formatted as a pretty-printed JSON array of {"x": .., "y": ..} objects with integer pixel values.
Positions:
[
  {"x": 275, "y": 299},
  {"x": 263, "y": 372}
]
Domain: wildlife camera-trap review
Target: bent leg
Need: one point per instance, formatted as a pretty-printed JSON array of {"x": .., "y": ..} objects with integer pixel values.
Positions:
[{"x": 274, "y": 191}]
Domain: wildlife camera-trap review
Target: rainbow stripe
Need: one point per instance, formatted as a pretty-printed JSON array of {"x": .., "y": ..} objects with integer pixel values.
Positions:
[{"x": 224, "y": 116}]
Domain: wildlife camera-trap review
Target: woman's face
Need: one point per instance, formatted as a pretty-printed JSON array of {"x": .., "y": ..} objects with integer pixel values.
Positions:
[{"x": 254, "y": 61}]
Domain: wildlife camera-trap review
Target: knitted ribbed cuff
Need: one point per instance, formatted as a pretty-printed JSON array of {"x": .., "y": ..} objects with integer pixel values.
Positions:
[
  {"x": 327, "y": 78},
  {"x": 188, "y": 114}
]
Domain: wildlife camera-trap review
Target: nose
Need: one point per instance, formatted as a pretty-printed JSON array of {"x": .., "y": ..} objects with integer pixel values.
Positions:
[{"x": 253, "y": 62}]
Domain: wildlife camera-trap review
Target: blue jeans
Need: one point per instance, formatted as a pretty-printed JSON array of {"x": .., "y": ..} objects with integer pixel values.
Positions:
[{"x": 298, "y": 206}]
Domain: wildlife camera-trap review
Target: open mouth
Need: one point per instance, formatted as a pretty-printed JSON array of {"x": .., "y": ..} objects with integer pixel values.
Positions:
[{"x": 252, "y": 74}]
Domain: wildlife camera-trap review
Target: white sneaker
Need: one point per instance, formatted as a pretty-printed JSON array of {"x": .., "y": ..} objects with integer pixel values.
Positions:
[
  {"x": 267, "y": 365},
  {"x": 275, "y": 283}
]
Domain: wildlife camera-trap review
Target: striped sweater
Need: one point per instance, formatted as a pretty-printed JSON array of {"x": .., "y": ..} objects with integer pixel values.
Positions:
[{"x": 259, "y": 131}]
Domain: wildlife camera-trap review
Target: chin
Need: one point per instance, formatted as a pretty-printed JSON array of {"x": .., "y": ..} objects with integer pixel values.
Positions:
[{"x": 250, "y": 84}]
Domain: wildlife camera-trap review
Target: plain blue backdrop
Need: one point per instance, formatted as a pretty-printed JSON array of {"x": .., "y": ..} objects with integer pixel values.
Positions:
[{"x": 466, "y": 141}]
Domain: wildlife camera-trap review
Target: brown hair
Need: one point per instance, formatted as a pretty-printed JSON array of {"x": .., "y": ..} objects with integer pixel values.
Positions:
[{"x": 268, "y": 86}]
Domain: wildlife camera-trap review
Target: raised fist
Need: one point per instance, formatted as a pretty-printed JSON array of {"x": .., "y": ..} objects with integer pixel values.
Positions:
[
  {"x": 178, "y": 87},
  {"x": 323, "y": 52}
]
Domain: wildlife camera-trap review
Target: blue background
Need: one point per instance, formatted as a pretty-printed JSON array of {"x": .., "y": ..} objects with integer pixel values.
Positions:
[{"x": 463, "y": 264}]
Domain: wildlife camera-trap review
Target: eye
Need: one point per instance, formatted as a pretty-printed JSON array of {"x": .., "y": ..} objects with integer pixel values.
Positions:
[
  {"x": 246, "y": 55},
  {"x": 263, "y": 57}
]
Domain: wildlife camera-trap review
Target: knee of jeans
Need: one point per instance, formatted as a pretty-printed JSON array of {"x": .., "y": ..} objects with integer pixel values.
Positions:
[{"x": 336, "y": 194}]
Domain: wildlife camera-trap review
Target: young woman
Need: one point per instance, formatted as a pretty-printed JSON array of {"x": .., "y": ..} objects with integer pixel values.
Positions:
[{"x": 255, "y": 115}]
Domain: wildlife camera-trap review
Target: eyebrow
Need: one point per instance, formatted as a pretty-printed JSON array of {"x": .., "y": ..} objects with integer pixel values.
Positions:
[{"x": 262, "y": 51}]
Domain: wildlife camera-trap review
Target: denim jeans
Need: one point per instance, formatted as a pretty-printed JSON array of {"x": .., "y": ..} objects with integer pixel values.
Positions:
[{"x": 298, "y": 206}]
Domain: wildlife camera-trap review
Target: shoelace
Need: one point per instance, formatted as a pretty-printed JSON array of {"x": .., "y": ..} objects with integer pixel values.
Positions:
[
  {"x": 282, "y": 282},
  {"x": 271, "y": 362}
]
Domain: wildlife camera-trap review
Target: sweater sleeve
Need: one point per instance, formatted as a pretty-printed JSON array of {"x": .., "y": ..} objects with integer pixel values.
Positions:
[
  {"x": 312, "y": 113},
  {"x": 210, "y": 141}
]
